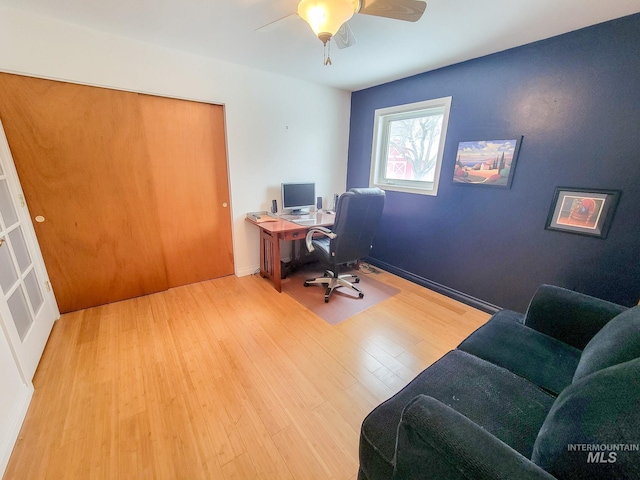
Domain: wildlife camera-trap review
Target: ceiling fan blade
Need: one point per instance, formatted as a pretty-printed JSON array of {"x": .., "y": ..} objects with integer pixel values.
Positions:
[
  {"x": 407, "y": 10},
  {"x": 276, "y": 23},
  {"x": 344, "y": 36}
]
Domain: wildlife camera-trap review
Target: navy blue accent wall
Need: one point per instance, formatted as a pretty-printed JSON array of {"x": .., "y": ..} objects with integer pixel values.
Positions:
[{"x": 576, "y": 100}]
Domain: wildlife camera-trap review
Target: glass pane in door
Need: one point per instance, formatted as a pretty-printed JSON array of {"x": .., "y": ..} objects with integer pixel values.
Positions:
[
  {"x": 20, "y": 312},
  {"x": 20, "y": 249},
  {"x": 33, "y": 291},
  {"x": 8, "y": 275},
  {"x": 24, "y": 297},
  {"x": 6, "y": 205}
]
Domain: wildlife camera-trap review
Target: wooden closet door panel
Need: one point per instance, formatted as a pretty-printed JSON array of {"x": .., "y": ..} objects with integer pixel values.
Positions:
[
  {"x": 186, "y": 144},
  {"x": 83, "y": 166}
]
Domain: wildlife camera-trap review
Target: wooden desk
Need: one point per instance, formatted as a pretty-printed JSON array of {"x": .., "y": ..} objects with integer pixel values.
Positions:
[{"x": 270, "y": 235}]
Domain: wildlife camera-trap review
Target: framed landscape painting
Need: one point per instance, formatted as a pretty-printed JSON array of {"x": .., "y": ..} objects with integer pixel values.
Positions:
[
  {"x": 489, "y": 163},
  {"x": 582, "y": 211}
]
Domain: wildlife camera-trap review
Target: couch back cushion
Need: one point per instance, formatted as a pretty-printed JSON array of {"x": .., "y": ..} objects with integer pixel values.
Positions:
[
  {"x": 571, "y": 317},
  {"x": 592, "y": 430},
  {"x": 617, "y": 342}
]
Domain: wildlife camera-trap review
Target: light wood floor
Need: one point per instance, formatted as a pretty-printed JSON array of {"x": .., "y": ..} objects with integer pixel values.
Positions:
[{"x": 225, "y": 379}]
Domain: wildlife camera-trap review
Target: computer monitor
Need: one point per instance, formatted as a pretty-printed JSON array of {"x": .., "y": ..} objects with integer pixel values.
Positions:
[{"x": 298, "y": 197}]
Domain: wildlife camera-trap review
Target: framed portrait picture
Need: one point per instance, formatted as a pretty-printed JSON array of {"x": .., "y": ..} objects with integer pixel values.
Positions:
[
  {"x": 582, "y": 211},
  {"x": 490, "y": 163}
]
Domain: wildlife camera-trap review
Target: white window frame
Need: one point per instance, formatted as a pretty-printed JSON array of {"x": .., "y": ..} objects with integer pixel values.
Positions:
[{"x": 382, "y": 118}]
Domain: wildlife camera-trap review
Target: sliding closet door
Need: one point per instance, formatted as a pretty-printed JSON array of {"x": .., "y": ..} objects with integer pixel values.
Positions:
[
  {"x": 81, "y": 158},
  {"x": 131, "y": 191},
  {"x": 187, "y": 151}
]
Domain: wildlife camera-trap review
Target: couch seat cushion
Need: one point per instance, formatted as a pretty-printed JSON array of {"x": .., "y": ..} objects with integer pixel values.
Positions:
[
  {"x": 617, "y": 342},
  {"x": 506, "y": 405},
  {"x": 541, "y": 359}
]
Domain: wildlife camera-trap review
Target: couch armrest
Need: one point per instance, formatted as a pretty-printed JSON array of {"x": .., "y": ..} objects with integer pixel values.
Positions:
[
  {"x": 435, "y": 441},
  {"x": 571, "y": 317}
]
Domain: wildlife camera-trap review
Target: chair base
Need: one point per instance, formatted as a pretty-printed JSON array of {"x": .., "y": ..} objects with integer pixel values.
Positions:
[{"x": 331, "y": 281}]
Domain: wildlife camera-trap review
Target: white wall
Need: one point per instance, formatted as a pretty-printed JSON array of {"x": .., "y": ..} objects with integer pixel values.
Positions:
[{"x": 278, "y": 128}]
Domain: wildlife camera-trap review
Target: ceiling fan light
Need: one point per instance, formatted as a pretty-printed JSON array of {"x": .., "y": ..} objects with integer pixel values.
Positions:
[{"x": 325, "y": 17}]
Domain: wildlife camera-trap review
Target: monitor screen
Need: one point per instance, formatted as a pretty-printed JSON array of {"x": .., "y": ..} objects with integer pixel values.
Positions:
[{"x": 297, "y": 196}]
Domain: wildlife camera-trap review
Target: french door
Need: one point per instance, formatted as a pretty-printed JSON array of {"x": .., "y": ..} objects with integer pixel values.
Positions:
[{"x": 27, "y": 305}]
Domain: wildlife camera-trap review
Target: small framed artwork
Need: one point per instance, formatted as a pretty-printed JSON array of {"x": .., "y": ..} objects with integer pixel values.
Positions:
[
  {"x": 489, "y": 163},
  {"x": 582, "y": 211}
]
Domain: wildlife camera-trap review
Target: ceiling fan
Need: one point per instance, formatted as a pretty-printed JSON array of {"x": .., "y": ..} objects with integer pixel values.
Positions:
[{"x": 328, "y": 18}]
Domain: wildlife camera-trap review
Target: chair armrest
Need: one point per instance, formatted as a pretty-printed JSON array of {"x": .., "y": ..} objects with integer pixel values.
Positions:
[
  {"x": 314, "y": 230},
  {"x": 571, "y": 317},
  {"x": 435, "y": 441}
]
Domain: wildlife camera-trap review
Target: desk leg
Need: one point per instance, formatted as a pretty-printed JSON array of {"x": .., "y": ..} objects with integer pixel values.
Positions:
[
  {"x": 277, "y": 274},
  {"x": 270, "y": 258}
]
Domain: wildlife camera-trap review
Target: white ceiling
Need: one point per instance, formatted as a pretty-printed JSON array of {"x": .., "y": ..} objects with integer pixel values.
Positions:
[{"x": 450, "y": 31}]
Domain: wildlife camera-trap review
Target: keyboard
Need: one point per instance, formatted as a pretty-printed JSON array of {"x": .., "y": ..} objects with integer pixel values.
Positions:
[{"x": 293, "y": 218}]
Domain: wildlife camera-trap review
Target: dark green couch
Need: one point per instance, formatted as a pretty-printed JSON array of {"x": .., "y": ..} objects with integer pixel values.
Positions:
[{"x": 553, "y": 393}]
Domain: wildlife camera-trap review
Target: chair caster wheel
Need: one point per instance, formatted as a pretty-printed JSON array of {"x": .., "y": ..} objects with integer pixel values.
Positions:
[
  {"x": 326, "y": 300},
  {"x": 306, "y": 284},
  {"x": 356, "y": 280},
  {"x": 361, "y": 295}
]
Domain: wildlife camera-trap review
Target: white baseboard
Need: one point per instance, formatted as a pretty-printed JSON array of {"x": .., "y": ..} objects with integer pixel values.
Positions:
[
  {"x": 243, "y": 272},
  {"x": 10, "y": 437}
]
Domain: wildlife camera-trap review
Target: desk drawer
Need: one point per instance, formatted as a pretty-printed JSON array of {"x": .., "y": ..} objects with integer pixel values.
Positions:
[{"x": 295, "y": 234}]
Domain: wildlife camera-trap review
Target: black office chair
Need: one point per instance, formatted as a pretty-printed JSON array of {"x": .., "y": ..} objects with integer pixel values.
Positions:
[{"x": 357, "y": 215}]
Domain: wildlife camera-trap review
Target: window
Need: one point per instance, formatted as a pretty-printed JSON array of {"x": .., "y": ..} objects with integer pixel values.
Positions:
[{"x": 408, "y": 141}]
